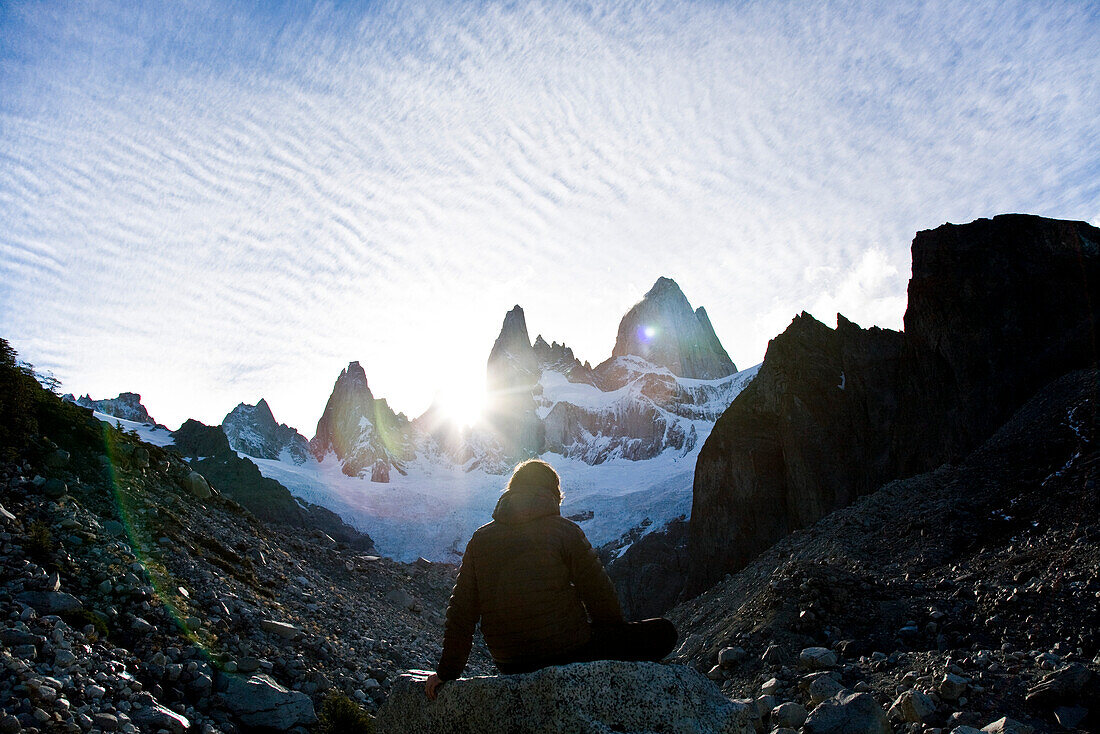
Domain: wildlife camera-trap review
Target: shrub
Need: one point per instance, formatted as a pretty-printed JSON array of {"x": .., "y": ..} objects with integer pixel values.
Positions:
[
  {"x": 340, "y": 715},
  {"x": 40, "y": 543}
]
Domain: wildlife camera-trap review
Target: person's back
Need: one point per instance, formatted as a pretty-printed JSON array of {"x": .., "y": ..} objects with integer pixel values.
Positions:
[{"x": 536, "y": 585}]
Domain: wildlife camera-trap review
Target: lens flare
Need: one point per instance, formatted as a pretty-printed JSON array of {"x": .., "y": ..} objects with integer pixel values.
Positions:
[{"x": 646, "y": 333}]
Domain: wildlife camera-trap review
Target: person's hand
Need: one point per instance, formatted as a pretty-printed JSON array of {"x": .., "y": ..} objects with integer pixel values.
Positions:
[{"x": 432, "y": 685}]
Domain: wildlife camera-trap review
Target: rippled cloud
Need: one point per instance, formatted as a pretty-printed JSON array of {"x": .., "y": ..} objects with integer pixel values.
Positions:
[{"x": 207, "y": 205}]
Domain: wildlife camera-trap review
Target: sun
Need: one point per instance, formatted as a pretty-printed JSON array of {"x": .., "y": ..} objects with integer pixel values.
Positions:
[{"x": 462, "y": 404}]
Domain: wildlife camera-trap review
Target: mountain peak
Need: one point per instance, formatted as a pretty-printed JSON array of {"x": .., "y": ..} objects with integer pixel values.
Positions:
[
  {"x": 664, "y": 329},
  {"x": 665, "y": 285},
  {"x": 512, "y": 357}
]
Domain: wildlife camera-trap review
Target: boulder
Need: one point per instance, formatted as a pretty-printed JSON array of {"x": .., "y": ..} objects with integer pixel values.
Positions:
[
  {"x": 598, "y": 696},
  {"x": 953, "y": 686},
  {"x": 50, "y": 602},
  {"x": 848, "y": 713},
  {"x": 156, "y": 718},
  {"x": 816, "y": 658},
  {"x": 198, "y": 486},
  {"x": 788, "y": 715},
  {"x": 54, "y": 489},
  {"x": 912, "y": 706},
  {"x": 1061, "y": 685},
  {"x": 1005, "y": 725},
  {"x": 262, "y": 703},
  {"x": 140, "y": 458},
  {"x": 823, "y": 687}
]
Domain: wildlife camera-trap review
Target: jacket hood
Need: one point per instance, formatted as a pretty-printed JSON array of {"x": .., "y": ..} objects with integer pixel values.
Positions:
[{"x": 522, "y": 506}]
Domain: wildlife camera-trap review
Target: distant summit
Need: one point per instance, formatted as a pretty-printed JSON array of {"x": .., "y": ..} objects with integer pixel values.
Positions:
[
  {"x": 126, "y": 406},
  {"x": 252, "y": 430},
  {"x": 663, "y": 329},
  {"x": 361, "y": 430}
]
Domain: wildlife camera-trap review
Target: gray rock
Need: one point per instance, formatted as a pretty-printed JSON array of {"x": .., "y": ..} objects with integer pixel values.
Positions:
[
  {"x": 261, "y": 702},
  {"x": 912, "y": 706},
  {"x": 400, "y": 598},
  {"x": 1060, "y": 685},
  {"x": 848, "y": 713},
  {"x": 952, "y": 686},
  {"x": 50, "y": 602},
  {"x": 5, "y": 515},
  {"x": 54, "y": 489},
  {"x": 1005, "y": 725},
  {"x": 140, "y": 458},
  {"x": 583, "y": 697},
  {"x": 730, "y": 656},
  {"x": 823, "y": 687},
  {"x": 198, "y": 486},
  {"x": 282, "y": 629},
  {"x": 156, "y": 717},
  {"x": 773, "y": 655},
  {"x": 816, "y": 658},
  {"x": 965, "y": 730},
  {"x": 105, "y": 722},
  {"x": 788, "y": 715},
  {"x": 114, "y": 527},
  {"x": 1070, "y": 716},
  {"x": 248, "y": 664}
]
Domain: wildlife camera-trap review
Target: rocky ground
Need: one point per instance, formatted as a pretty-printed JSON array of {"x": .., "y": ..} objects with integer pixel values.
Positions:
[
  {"x": 955, "y": 598},
  {"x": 134, "y": 599}
]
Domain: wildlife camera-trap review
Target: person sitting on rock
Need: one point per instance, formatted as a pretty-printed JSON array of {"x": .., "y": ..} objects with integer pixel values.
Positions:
[{"x": 533, "y": 581}]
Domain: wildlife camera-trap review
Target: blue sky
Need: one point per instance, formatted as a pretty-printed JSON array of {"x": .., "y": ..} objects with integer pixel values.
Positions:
[{"x": 209, "y": 202}]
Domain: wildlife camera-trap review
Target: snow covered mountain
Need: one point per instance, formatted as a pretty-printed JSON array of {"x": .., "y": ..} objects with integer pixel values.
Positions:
[
  {"x": 624, "y": 435},
  {"x": 361, "y": 431},
  {"x": 126, "y": 406},
  {"x": 252, "y": 430}
]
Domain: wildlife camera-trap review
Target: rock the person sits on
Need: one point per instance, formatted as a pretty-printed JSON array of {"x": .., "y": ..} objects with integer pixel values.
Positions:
[
  {"x": 533, "y": 581},
  {"x": 600, "y": 696}
]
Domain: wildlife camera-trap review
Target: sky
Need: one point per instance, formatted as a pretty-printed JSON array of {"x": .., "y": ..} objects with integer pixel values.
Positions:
[{"x": 214, "y": 202}]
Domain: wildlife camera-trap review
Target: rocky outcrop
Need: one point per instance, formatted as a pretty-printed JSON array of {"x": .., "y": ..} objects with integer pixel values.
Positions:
[
  {"x": 215, "y": 463},
  {"x": 560, "y": 358},
  {"x": 359, "y": 428},
  {"x": 633, "y": 430},
  {"x": 663, "y": 329},
  {"x": 262, "y": 703},
  {"x": 649, "y": 576},
  {"x": 599, "y": 696},
  {"x": 809, "y": 434},
  {"x": 997, "y": 309},
  {"x": 126, "y": 406},
  {"x": 252, "y": 430}
]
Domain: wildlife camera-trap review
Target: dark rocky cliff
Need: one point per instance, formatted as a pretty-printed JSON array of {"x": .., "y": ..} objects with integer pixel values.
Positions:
[{"x": 997, "y": 309}]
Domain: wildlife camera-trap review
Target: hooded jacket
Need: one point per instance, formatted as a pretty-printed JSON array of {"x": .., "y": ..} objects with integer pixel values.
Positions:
[{"x": 532, "y": 579}]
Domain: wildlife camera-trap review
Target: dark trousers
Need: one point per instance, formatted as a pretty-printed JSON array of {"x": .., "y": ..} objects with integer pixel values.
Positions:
[{"x": 650, "y": 639}]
